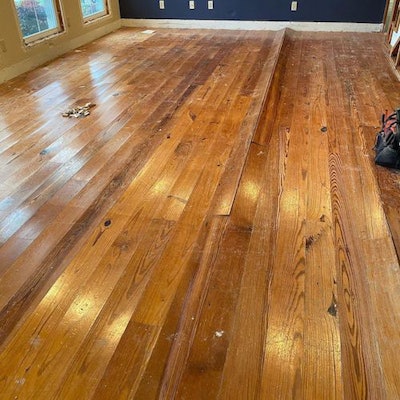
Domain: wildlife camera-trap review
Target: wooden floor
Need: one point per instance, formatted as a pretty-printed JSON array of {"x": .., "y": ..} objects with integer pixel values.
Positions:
[{"x": 215, "y": 229}]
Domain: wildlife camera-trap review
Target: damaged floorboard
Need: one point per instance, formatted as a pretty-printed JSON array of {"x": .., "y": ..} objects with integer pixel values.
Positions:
[{"x": 214, "y": 229}]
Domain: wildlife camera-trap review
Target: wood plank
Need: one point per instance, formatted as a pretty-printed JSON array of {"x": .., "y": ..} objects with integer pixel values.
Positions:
[
  {"x": 361, "y": 374},
  {"x": 322, "y": 375},
  {"x": 229, "y": 185},
  {"x": 248, "y": 332},
  {"x": 284, "y": 347}
]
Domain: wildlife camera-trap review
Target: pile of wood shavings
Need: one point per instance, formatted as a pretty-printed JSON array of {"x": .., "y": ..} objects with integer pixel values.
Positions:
[{"x": 79, "y": 111}]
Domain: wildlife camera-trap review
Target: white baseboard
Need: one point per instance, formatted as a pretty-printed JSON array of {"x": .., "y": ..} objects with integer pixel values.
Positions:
[
  {"x": 252, "y": 25},
  {"x": 55, "y": 50}
]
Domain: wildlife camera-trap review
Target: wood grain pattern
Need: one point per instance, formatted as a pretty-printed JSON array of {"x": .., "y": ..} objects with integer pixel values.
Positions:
[{"x": 215, "y": 229}]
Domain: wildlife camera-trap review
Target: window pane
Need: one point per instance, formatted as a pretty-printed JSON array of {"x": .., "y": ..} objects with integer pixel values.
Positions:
[
  {"x": 90, "y": 7},
  {"x": 36, "y": 16}
]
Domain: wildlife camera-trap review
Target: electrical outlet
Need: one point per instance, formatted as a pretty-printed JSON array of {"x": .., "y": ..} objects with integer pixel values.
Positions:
[
  {"x": 161, "y": 4},
  {"x": 293, "y": 7},
  {"x": 191, "y": 4},
  {"x": 210, "y": 4}
]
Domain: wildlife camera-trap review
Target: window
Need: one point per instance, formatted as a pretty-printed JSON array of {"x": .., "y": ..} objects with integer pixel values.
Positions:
[
  {"x": 37, "y": 18},
  {"x": 92, "y": 9}
]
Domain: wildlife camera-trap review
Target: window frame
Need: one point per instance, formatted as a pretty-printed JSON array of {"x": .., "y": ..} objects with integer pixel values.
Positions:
[
  {"x": 94, "y": 17},
  {"x": 45, "y": 34}
]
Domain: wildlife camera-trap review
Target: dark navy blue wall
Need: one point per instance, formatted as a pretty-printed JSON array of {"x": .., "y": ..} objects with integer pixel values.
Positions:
[{"x": 259, "y": 10}]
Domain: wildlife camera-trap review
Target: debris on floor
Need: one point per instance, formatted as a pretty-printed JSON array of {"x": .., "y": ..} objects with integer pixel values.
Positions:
[
  {"x": 79, "y": 111},
  {"x": 219, "y": 333}
]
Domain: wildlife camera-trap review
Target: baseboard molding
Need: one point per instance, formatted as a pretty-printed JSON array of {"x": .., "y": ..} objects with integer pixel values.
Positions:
[
  {"x": 54, "y": 51},
  {"x": 396, "y": 72},
  {"x": 252, "y": 25}
]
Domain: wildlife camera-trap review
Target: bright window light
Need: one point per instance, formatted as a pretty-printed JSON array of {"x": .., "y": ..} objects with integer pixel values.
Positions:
[
  {"x": 37, "y": 18},
  {"x": 92, "y": 9}
]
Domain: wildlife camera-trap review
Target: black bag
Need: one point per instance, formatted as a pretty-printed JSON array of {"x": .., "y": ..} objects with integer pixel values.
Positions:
[{"x": 387, "y": 144}]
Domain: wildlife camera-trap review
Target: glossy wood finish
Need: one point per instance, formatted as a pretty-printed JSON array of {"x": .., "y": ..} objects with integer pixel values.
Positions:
[{"x": 216, "y": 228}]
